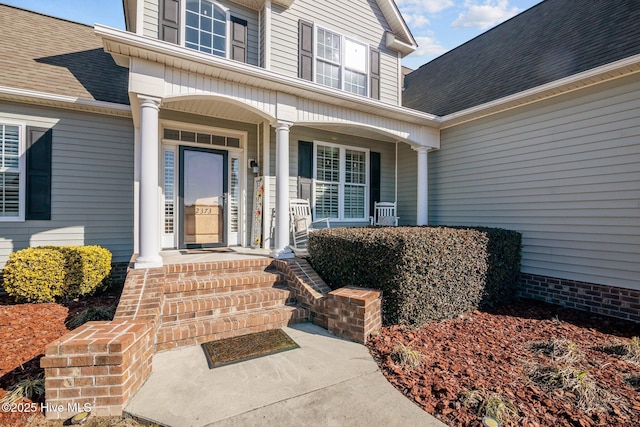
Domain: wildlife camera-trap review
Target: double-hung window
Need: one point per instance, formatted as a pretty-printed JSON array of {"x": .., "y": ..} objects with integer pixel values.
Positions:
[
  {"x": 340, "y": 182},
  {"x": 341, "y": 63},
  {"x": 11, "y": 172}
]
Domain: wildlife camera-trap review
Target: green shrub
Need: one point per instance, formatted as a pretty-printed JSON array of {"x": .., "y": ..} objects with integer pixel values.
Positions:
[
  {"x": 46, "y": 273},
  {"x": 35, "y": 274},
  {"x": 86, "y": 268},
  {"x": 425, "y": 273}
]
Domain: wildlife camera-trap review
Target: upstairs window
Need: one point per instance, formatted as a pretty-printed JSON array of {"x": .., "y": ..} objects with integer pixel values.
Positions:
[
  {"x": 333, "y": 60},
  {"x": 206, "y": 27},
  {"x": 340, "y": 62}
]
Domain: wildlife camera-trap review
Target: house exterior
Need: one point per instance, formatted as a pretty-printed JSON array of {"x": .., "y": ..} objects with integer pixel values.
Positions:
[
  {"x": 540, "y": 133},
  {"x": 219, "y": 86},
  {"x": 165, "y": 136},
  {"x": 67, "y": 139},
  {"x": 285, "y": 86}
]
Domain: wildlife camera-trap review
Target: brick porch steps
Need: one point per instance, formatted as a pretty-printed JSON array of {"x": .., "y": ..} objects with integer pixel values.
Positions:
[
  {"x": 197, "y": 331},
  {"x": 221, "y": 299},
  {"x": 218, "y": 304},
  {"x": 216, "y": 282}
]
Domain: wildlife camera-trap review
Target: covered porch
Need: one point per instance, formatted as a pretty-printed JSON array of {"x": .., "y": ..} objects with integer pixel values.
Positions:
[{"x": 268, "y": 138}]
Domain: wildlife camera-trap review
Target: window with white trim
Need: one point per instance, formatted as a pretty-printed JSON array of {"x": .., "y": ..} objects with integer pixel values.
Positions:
[
  {"x": 11, "y": 171},
  {"x": 340, "y": 62},
  {"x": 206, "y": 27},
  {"x": 340, "y": 182}
]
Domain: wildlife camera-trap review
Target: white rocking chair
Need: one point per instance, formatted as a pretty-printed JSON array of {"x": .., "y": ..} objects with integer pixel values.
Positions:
[
  {"x": 384, "y": 214},
  {"x": 301, "y": 222}
]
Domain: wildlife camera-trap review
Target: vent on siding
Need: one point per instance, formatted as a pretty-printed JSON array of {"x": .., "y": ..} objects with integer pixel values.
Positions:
[{"x": 201, "y": 138}]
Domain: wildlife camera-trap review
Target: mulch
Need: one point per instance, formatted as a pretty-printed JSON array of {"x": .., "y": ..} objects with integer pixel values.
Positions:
[
  {"x": 479, "y": 351},
  {"x": 25, "y": 331},
  {"x": 492, "y": 351}
]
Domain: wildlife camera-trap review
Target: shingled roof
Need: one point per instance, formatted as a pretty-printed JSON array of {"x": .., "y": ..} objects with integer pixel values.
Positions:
[
  {"x": 552, "y": 40},
  {"x": 46, "y": 54}
]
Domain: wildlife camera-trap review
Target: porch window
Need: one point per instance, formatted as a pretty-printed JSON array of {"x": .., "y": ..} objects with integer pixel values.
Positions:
[
  {"x": 11, "y": 171},
  {"x": 340, "y": 184},
  {"x": 206, "y": 27},
  {"x": 340, "y": 62}
]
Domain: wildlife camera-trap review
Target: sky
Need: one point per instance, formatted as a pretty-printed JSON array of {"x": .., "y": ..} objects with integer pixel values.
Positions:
[{"x": 437, "y": 25}]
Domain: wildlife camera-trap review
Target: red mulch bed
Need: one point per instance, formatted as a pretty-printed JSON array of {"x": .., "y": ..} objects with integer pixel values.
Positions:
[
  {"x": 25, "y": 331},
  {"x": 492, "y": 351}
]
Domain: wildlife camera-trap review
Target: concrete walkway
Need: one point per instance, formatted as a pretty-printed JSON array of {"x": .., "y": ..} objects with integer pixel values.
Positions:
[{"x": 326, "y": 382}]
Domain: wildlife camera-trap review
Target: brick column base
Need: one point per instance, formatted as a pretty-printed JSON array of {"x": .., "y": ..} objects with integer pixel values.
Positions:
[
  {"x": 354, "y": 313},
  {"x": 96, "y": 367}
]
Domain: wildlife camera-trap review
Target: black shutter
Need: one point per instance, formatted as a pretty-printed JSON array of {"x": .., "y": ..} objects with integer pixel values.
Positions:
[
  {"x": 305, "y": 50},
  {"x": 38, "y": 176},
  {"x": 305, "y": 159},
  {"x": 374, "y": 58},
  {"x": 169, "y": 21},
  {"x": 374, "y": 180},
  {"x": 238, "y": 39}
]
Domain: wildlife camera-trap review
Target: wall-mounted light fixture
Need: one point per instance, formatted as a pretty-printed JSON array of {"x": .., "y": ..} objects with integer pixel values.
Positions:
[{"x": 253, "y": 165}]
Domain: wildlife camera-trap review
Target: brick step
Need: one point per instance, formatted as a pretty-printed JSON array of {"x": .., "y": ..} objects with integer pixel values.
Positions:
[
  {"x": 191, "y": 332},
  {"x": 196, "y": 269},
  {"x": 211, "y": 285},
  {"x": 225, "y": 303}
]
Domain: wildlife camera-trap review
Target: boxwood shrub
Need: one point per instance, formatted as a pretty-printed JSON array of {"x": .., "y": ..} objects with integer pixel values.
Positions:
[
  {"x": 44, "y": 274},
  {"x": 425, "y": 273}
]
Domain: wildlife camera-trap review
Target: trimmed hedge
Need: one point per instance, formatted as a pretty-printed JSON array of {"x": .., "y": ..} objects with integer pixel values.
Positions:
[
  {"x": 425, "y": 273},
  {"x": 45, "y": 273}
]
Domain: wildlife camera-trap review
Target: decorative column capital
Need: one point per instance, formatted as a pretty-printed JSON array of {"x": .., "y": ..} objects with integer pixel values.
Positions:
[
  {"x": 149, "y": 101},
  {"x": 281, "y": 125},
  {"x": 420, "y": 149}
]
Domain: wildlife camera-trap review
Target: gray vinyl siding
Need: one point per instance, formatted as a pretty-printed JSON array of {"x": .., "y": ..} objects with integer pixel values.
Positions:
[
  {"x": 251, "y": 16},
  {"x": 251, "y": 151},
  {"x": 564, "y": 172},
  {"x": 407, "y": 184},
  {"x": 150, "y": 20},
  {"x": 92, "y": 183},
  {"x": 362, "y": 21}
]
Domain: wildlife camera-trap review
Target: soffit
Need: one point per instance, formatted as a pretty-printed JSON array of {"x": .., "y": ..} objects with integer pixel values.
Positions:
[{"x": 219, "y": 109}]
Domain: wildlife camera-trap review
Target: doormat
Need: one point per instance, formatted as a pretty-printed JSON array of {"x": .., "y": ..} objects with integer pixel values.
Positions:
[
  {"x": 245, "y": 347},
  {"x": 208, "y": 251}
]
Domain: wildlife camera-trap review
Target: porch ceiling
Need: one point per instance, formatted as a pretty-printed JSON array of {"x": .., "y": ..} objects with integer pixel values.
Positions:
[
  {"x": 217, "y": 108},
  {"x": 355, "y": 131}
]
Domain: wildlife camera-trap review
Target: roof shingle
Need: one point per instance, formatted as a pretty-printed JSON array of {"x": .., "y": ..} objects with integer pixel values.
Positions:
[
  {"x": 52, "y": 55},
  {"x": 550, "y": 41}
]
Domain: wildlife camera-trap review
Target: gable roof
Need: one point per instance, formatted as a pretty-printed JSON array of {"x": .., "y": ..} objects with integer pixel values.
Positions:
[
  {"x": 55, "y": 56},
  {"x": 550, "y": 41}
]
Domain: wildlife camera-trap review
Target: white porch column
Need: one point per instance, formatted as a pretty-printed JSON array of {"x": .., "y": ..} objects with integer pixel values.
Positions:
[
  {"x": 149, "y": 242},
  {"x": 281, "y": 248},
  {"x": 422, "y": 214}
]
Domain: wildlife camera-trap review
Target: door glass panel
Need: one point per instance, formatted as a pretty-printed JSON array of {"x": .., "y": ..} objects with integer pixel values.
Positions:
[{"x": 203, "y": 201}]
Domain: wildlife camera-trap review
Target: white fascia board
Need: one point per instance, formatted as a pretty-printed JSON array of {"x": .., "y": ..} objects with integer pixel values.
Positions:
[
  {"x": 118, "y": 42},
  {"x": 62, "y": 101},
  {"x": 613, "y": 70}
]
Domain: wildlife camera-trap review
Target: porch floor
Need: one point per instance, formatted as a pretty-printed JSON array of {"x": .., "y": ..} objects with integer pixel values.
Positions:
[{"x": 182, "y": 256}]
